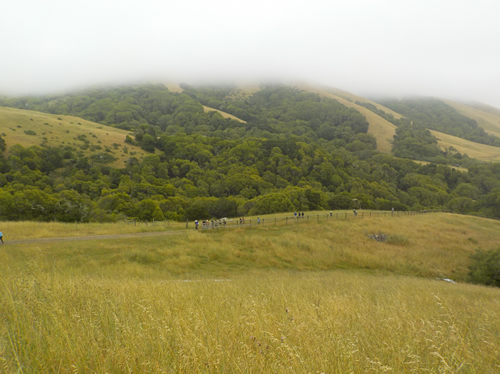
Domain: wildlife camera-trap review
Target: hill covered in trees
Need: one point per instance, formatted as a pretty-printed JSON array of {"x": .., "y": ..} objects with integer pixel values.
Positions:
[{"x": 295, "y": 150}]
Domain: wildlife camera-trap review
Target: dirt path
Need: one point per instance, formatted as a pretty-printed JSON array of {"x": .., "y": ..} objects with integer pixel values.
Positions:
[{"x": 93, "y": 237}]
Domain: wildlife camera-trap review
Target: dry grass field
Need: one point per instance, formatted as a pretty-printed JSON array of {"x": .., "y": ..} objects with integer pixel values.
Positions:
[
  {"x": 431, "y": 245},
  {"x": 352, "y": 97},
  {"x": 475, "y": 150},
  {"x": 173, "y": 87},
  {"x": 29, "y": 128},
  {"x": 307, "y": 297},
  {"x": 273, "y": 322},
  {"x": 223, "y": 114}
]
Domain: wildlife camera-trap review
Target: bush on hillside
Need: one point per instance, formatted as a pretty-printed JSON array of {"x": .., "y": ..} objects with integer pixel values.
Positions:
[{"x": 485, "y": 268}]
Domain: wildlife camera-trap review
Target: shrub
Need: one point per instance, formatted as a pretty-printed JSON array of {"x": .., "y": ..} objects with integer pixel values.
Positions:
[{"x": 485, "y": 267}]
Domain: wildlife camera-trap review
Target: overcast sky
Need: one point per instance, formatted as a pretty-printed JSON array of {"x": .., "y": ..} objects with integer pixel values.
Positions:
[{"x": 426, "y": 47}]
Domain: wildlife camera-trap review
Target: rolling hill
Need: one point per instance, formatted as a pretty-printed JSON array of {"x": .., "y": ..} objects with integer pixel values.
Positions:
[
  {"x": 379, "y": 127},
  {"x": 27, "y": 128},
  {"x": 472, "y": 149},
  {"x": 486, "y": 116}
]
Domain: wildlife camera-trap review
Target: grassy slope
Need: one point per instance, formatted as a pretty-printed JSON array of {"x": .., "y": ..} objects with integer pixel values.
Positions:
[
  {"x": 475, "y": 150},
  {"x": 63, "y": 131},
  {"x": 433, "y": 245},
  {"x": 380, "y": 128},
  {"x": 223, "y": 114},
  {"x": 115, "y": 306},
  {"x": 352, "y": 97},
  {"x": 173, "y": 87},
  {"x": 427, "y": 163},
  {"x": 487, "y": 117}
]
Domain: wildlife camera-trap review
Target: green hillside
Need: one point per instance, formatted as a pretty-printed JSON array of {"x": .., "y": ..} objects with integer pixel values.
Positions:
[
  {"x": 486, "y": 116},
  {"x": 380, "y": 128},
  {"x": 104, "y": 144},
  {"x": 272, "y": 150}
]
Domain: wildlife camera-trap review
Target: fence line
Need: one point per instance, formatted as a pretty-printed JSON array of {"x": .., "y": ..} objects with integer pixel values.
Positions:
[{"x": 292, "y": 220}]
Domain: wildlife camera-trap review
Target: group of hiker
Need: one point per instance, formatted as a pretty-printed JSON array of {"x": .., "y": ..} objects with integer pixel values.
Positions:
[
  {"x": 222, "y": 222},
  {"x": 205, "y": 224}
]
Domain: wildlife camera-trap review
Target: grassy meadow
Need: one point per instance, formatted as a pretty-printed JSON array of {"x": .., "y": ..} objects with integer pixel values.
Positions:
[
  {"x": 29, "y": 128},
  {"x": 306, "y": 297},
  {"x": 480, "y": 151},
  {"x": 223, "y": 114},
  {"x": 35, "y": 230}
]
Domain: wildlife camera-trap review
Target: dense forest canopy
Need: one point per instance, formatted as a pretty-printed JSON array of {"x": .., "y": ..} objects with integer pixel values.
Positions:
[{"x": 293, "y": 150}]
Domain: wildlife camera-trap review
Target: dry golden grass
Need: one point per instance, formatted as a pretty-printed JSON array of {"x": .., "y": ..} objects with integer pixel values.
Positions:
[
  {"x": 350, "y": 96},
  {"x": 223, "y": 114},
  {"x": 33, "y": 230},
  {"x": 475, "y": 150},
  {"x": 427, "y": 163},
  {"x": 432, "y": 245},
  {"x": 487, "y": 117},
  {"x": 122, "y": 305},
  {"x": 380, "y": 128},
  {"x": 279, "y": 322},
  {"x": 174, "y": 87},
  {"x": 63, "y": 131}
]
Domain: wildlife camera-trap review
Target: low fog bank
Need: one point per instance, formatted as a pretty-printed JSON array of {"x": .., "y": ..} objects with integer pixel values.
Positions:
[{"x": 59, "y": 85}]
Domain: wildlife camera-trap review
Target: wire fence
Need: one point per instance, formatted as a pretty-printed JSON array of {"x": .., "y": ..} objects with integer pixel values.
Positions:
[{"x": 294, "y": 220}]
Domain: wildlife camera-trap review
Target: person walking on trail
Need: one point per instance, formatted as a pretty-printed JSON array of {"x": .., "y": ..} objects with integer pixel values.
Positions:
[
  {"x": 354, "y": 211},
  {"x": 196, "y": 224},
  {"x": 1, "y": 237},
  {"x": 258, "y": 220}
]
